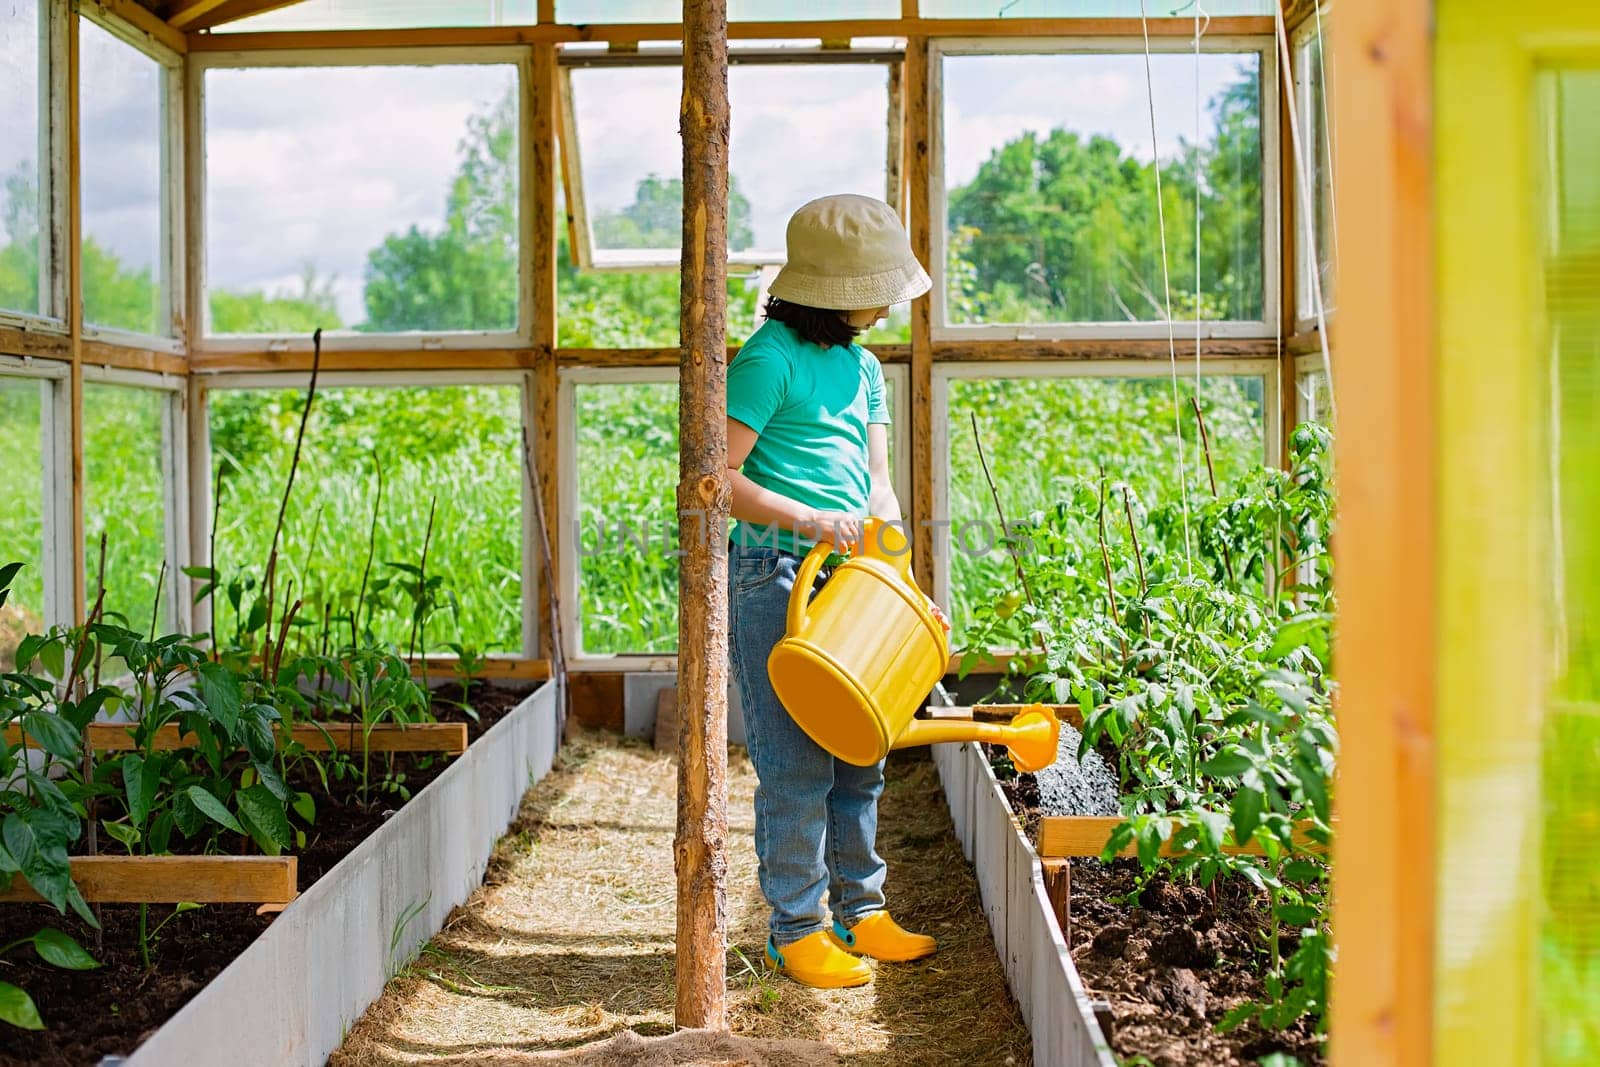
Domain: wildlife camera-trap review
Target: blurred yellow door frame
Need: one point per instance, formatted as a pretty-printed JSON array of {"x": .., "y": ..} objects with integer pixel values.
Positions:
[{"x": 1469, "y": 405}]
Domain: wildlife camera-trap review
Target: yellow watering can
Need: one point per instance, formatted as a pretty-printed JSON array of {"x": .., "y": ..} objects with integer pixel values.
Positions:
[{"x": 860, "y": 658}]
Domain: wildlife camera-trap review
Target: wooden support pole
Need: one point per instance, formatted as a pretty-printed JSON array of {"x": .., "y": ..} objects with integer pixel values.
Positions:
[
  {"x": 919, "y": 172},
  {"x": 704, "y": 496},
  {"x": 75, "y": 551},
  {"x": 540, "y": 203},
  {"x": 1386, "y": 452}
]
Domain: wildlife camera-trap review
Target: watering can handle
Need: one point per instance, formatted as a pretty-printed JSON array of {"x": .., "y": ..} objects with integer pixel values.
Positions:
[{"x": 804, "y": 579}]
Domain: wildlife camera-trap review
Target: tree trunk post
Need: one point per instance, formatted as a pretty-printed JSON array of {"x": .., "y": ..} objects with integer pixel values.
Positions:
[{"x": 699, "y": 850}]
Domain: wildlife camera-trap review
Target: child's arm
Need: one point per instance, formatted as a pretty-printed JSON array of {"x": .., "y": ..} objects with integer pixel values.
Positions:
[{"x": 755, "y": 504}]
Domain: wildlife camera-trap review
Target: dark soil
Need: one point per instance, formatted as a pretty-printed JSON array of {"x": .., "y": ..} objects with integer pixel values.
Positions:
[
  {"x": 109, "y": 1011},
  {"x": 1172, "y": 965}
]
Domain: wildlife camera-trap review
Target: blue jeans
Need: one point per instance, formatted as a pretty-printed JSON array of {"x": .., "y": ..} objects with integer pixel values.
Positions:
[{"x": 816, "y": 816}]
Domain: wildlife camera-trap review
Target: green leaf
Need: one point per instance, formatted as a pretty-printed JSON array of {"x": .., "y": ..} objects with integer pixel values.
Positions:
[
  {"x": 53, "y": 657},
  {"x": 126, "y": 835},
  {"x": 265, "y": 815},
  {"x": 1296, "y": 914},
  {"x": 54, "y": 734},
  {"x": 1246, "y": 813},
  {"x": 141, "y": 782},
  {"x": 18, "y": 1009},
  {"x": 28, "y": 648},
  {"x": 200, "y": 571},
  {"x": 1229, "y": 763},
  {"x": 219, "y": 691},
  {"x": 305, "y": 806},
  {"x": 8, "y": 572},
  {"x": 212, "y": 808},
  {"x": 60, "y": 950},
  {"x": 258, "y": 616}
]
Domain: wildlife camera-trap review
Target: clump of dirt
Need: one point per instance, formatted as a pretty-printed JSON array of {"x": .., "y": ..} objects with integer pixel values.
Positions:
[{"x": 1174, "y": 964}]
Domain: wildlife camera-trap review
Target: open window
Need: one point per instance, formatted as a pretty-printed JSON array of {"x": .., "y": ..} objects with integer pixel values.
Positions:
[
  {"x": 1037, "y": 9},
  {"x": 127, "y": 138},
  {"x": 811, "y": 122},
  {"x": 1046, "y": 218},
  {"x": 602, "y": 11},
  {"x": 321, "y": 210}
]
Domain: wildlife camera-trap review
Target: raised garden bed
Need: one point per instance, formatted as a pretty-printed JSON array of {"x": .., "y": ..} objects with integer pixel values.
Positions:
[
  {"x": 1056, "y": 1006},
  {"x": 375, "y": 882},
  {"x": 1164, "y": 959}
]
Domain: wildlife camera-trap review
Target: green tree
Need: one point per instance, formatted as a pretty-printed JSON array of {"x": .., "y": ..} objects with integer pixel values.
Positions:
[
  {"x": 655, "y": 218},
  {"x": 1058, "y": 227}
]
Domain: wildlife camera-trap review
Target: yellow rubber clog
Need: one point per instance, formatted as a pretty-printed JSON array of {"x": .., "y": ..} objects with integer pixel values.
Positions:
[
  {"x": 880, "y": 937},
  {"x": 817, "y": 962}
]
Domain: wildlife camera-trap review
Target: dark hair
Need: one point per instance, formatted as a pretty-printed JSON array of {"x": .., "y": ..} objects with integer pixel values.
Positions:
[{"x": 820, "y": 326}]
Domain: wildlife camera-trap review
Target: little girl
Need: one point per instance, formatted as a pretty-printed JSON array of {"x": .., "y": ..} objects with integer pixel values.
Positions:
[{"x": 808, "y": 455}]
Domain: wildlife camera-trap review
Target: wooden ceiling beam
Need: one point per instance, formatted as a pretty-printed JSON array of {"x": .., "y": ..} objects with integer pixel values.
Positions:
[
  {"x": 217, "y": 12},
  {"x": 182, "y": 14},
  {"x": 839, "y": 29},
  {"x": 145, "y": 21}
]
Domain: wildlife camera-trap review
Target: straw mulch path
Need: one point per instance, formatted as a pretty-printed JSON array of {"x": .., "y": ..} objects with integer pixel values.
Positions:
[{"x": 569, "y": 945}]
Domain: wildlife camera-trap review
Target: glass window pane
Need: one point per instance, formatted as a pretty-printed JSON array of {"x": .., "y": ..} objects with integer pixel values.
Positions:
[
  {"x": 1570, "y": 979},
  {"x": 1033, "y": 9},
  {"x": 627, "y": 459},
  {"x": 125, "y": 279},
  {"x": 581, "y": 11},
  {"x": 1314, "y": 133},
  {"x": 24, "y": 155},
  {"x": 457, "y": 449},
  {"x": 21, "y": 511},
  {"x": 1046, "y": 439},
  {"x": 324, "y": 211},
  {"x": 634, "y": 309},
  {"x": 802, "y": 132},
  {"x": 125, "y": 445},
  {"x": 1314, "y": 404},
  {"x": 1050, "y": 185},
  {"x": 388, "y": 14}
]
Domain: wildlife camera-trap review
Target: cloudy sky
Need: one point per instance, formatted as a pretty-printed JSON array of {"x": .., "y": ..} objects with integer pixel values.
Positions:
[{"x": 317, "y": 165}]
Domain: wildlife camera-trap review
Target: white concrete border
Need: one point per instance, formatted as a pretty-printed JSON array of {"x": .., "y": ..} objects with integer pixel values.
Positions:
[
  {"x": 291, "y": 997},
  {"x": 1039, "y": 969}
]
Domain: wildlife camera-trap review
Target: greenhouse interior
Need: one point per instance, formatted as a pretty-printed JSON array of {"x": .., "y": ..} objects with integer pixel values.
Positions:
[{"x": 1158, "y": 621}]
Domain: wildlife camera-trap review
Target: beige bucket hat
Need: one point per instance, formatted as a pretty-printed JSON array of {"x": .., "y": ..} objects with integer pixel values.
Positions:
[{"x": 848, "y": 253}]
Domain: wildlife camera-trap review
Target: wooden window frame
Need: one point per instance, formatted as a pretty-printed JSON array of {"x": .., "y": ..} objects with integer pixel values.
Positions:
[
  {"x": 204, "y": 343},
  {"x": 1311, "y": 130},
  {"x": 523, "y": 380},
  {"x": 585, "y": 255},
  {"x": 172, "y": 286},
  {"x": 175, "y": 439},
  {"x": 52, "y": 171},
  {"x": 897, "y": 374},
  {"x": 1183, "y": 330},
  {"x": 945, "y": 373},
  {"x": 55, "y": 479}
]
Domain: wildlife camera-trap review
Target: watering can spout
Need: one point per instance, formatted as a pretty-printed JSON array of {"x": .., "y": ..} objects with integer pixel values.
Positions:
[{"x": 1031, "y": 738}]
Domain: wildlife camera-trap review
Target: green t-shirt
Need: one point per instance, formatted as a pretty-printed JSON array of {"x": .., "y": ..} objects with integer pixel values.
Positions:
[{"x": 809, "y": 407}]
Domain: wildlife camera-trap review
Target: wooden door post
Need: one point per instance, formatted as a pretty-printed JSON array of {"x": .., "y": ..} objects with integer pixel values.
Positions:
[{"x": 699, "y": 850}]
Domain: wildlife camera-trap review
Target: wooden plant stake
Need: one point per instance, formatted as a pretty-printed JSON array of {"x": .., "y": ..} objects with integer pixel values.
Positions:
[{"x": 704, "y": 495}]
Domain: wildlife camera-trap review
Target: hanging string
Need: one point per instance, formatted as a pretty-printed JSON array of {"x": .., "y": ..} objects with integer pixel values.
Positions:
[
  {"x": 1303, "y": 186},
  {"x": 1166, "y": 283}
]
